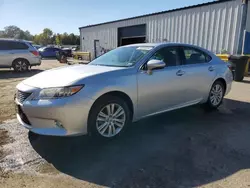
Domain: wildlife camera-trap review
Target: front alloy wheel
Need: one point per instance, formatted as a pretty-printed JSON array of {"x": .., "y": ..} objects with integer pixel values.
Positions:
[
  {"x": 110, "y": 120},
  {"x": 109, "y": 117}
]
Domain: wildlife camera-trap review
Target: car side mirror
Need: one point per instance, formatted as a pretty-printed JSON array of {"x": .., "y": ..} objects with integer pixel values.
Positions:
[{"x": 155, "y": 64}]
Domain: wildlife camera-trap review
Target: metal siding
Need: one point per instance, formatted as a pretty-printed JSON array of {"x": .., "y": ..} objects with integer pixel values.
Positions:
[
  {"x": 214, "y": 27},
  {"x": 248, "y": 17}
]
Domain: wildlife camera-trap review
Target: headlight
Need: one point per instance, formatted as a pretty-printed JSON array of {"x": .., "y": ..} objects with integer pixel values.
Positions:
[{"x": 59, "y": 92}]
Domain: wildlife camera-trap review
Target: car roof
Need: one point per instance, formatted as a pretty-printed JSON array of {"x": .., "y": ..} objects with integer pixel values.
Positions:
[
  {"x": 51, "y": 47},
  {"x": 11, "y": 40},
  {"x": 170, "y": 44},
  {"x": 161, "y": 44}
]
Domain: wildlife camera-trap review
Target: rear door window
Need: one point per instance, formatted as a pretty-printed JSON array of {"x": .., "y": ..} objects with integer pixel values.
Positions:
[
  {"x": 195, "y": 56},
  {"x": 17, "y": 45},
  {"x": 4, "y": 45},
  {"x": 49, "y": 49}
]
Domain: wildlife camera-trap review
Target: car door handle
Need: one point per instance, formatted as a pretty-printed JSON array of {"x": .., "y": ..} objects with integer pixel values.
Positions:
[
  {"x": 180, "y": 73},
  {"x": 211, "y": 68}
]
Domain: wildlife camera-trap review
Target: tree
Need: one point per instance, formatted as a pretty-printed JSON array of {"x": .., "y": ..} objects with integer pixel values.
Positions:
[
  {"x": 58, "y": 39},
  {"x": 44, "y": 38},
  {"x": 28, "y": 35},
  {"x": 12, "y": 31},
  {"x": 77, "y": 40},
  {"x": 15, "y": 32},
  {"x": 1, "y": 33},
  {"x": 37, "y": 39}
]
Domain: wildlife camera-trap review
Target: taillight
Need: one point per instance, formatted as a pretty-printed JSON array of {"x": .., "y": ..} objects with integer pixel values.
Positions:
[{"x": 35, "y": 53}]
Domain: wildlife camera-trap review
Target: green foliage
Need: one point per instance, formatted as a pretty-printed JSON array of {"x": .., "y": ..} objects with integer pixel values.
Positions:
[
  {"x": 44, "y": 38},
  {"x": 58, "y": 39},
  {"x": 15, "y": 32}
]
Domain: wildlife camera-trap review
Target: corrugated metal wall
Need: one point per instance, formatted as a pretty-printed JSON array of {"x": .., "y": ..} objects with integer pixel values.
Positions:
[
  {"x": 214, "y": 27},
  {"x": 248, "y": 17}
]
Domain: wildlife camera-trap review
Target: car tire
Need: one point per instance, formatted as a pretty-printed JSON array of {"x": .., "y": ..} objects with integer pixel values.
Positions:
[
  {"x": 63, "y": 59},
  {"x": 216, "y": 96},
  {"x": 105, "y": 125},
  {"x": 21, "y": 65}
]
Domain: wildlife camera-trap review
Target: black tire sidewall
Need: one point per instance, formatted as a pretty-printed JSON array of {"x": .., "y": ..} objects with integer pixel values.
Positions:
[
  {"x": 209, "y": 103},
  {"x": 24, "y": 61},
  {"x": 97, "y": 108}
]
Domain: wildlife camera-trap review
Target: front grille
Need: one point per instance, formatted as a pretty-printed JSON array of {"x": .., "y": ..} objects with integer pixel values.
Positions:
[{"x": 21, "y": 96}]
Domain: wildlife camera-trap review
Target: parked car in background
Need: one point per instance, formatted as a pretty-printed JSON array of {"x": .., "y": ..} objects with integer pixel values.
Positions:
[
  {"x": 75, "y": 48},
  {"x": 18, "y": 54},
  {"x": 37, "y": 46},
  {"x": 125, "y": 84},
  {"x": 67, "y": 52},
  {"x": 49, "y": 52}
]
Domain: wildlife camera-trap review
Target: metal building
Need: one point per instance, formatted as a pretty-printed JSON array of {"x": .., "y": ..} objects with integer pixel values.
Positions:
[{"x": 217, "y": 26}]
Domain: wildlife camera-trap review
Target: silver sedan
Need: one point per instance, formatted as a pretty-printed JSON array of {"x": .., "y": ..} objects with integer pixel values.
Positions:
[{"x": 122, "y": 86}]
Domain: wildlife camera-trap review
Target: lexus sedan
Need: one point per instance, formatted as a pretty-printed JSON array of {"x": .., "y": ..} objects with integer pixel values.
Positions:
[{"x": 122, "y": 86}]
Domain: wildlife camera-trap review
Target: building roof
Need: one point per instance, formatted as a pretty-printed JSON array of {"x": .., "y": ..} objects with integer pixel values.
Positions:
[{"x": 157, "y": 13}]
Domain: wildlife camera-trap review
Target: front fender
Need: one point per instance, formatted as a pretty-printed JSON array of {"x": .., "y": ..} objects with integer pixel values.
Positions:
[{"x": 126, "y": 84}]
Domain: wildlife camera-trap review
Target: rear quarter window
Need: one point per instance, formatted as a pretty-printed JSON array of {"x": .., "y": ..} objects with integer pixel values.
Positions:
[{"x": 195, "y": 56}]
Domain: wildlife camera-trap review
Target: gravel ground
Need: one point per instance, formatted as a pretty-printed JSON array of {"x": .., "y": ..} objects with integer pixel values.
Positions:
[{"x": 183, "y": 148}]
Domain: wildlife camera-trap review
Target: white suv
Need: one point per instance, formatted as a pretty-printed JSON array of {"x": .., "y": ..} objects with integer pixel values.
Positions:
[{"x": 18, "y": 54}]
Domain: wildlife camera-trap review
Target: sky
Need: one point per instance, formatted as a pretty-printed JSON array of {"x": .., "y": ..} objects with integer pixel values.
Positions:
[{"x": 68, "y": 15}]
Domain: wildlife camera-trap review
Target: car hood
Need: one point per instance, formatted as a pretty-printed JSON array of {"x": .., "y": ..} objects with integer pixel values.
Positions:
[{"x": 65, "y": 76}]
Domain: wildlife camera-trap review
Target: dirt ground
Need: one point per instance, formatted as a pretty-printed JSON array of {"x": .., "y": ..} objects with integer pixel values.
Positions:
[
  {"x": 8, "y": 81},
  {"x": 179, "y": 149}
]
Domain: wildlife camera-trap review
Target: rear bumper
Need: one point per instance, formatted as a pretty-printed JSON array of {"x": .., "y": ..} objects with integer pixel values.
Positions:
[
  {"x": 229, "y": 81},
  {"x": 35, "y": 61},
  {"x": 229, "y": 87}
]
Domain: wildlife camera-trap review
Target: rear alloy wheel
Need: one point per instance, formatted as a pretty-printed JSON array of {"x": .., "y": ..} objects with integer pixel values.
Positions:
[
  {"x": 216, "y": 95},
  {"x": 109, "y": 117},
  {"x": 21, "y": 65}
]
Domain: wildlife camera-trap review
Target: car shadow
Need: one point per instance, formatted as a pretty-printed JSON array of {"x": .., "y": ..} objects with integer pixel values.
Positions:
[
  {"x": 10, "y": 73},
  {"x": 246, "y": 81},
  {"x": 186, "y": 148},
  {"x": 49, "y": 58}
]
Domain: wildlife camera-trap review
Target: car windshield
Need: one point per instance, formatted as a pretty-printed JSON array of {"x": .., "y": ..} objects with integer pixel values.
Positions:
[
  {"x": 42, "y": 49},
  {"x": 123, "y": 56}
]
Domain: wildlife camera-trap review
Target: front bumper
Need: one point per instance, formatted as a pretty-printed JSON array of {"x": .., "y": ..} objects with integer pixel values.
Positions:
[{"x": 43, "y": 115}]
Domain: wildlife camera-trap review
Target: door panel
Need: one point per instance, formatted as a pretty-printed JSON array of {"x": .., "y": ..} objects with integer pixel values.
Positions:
[
  {"x": 5, "y": 54},
  {"x": 199, "y": 73},
  {"x": 199, "y": 79},
  {"x": 163, "y": 89},
  {"x": 159, "y": 91},
  {"x": 5, "y": 58}
]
